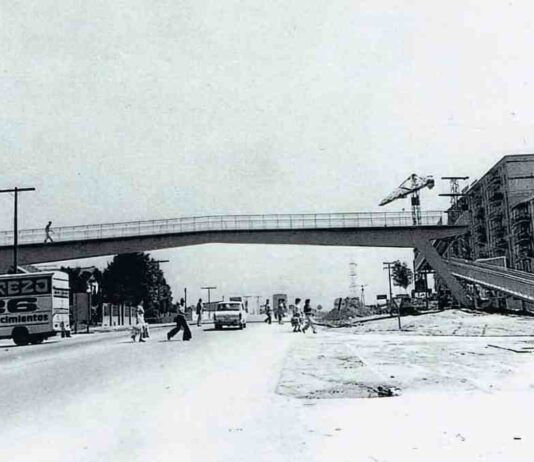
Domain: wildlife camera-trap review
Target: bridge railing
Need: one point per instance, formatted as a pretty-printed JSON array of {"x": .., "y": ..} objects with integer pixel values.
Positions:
[{"x": 225, "y": 223}]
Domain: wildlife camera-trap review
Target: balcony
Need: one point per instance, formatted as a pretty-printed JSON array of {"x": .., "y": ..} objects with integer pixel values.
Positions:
[
  {"x": 495, "y": 196},
  {"x": 520, "y": 218},
  {"x": 495, "y": 180},
  {"x": 501, "y": 244},
  {"x": 497, "y": 217},
  {"x": 523, "y": 236},
  {"x": 526, "y": 253},
  {"x": 480, "y": 214},
  {"x": 500, "y": 252},
  {"x": 499, "y": 233},
  {"x": 476, "y": 200},
  {"x": 522, "y": 228}
]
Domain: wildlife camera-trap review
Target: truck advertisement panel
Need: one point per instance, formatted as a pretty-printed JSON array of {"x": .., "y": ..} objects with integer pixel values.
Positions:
[{"x": 26, "y": 300}]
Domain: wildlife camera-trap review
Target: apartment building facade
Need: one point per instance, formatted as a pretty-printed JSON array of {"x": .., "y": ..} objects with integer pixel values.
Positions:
[{"x": 499, "y": 210}]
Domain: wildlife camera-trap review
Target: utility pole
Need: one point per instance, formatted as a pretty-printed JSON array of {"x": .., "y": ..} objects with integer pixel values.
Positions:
[
  {"x": 454, "y": 212},
  {"x": 455, "y": 188},
  {"x": 15, "y": 224},
  {"x": 90, "y": 291},
  {"x": 388, "y": 265},
  {"x": 353, "y": 278},
  {"x": 209, "y": 289}
]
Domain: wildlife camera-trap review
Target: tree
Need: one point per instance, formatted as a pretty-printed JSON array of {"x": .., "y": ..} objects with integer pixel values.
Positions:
[
  {"x": 401, "y": 274},
  {"x": 79, "y": 282},
  {"x": 77, "y": 278},
  {"x": 133, "y": 278}
]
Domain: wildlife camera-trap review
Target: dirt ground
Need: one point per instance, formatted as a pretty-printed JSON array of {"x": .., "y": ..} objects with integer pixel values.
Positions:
[{"x": 450, "y": 351}]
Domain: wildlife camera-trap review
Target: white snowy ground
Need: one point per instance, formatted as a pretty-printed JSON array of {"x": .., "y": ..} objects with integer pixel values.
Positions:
[{"x": 266, "y": 394}]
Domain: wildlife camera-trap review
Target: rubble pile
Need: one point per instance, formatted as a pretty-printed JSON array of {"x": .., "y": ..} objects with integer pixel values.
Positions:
[
  {"x": 343, "y": 314},
  {"x": 352, "y": 308}
]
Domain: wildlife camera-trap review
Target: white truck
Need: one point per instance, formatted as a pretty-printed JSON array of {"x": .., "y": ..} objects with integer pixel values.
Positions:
[{"x": 34, "y": 306}]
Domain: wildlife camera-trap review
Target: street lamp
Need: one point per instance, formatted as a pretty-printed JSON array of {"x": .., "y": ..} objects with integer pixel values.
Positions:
[
  {"x": 209, "y": 289},
  {"x": 91, "y": 290}
]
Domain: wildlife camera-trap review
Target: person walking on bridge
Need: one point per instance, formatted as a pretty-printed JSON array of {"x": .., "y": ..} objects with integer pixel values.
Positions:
[
  {"x": 48, "y": 238},
  {"x": 181, "y": 323}
]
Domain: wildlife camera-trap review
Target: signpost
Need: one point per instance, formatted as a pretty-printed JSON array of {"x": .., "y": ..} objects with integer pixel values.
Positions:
[{"x": 388, "y": 265}]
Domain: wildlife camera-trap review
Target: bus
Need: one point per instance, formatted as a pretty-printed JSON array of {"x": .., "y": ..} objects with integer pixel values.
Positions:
[{"x": 34, "y": 306}]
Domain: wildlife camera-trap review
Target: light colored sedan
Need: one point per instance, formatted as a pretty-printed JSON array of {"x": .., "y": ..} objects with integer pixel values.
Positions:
[{"x": 230, "y": 314}]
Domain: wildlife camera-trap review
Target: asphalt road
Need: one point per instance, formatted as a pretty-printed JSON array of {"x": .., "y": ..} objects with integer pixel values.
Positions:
[
  {"x": 102, "y": 397},
  {"x": 267, "y": 394}
]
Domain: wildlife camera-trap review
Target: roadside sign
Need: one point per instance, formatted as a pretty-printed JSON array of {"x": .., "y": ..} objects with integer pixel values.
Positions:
[{"x": 382, "y": 297}]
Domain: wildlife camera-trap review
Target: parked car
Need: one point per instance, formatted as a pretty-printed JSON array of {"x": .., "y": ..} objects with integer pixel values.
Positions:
[{"x": 231, "y": 313}]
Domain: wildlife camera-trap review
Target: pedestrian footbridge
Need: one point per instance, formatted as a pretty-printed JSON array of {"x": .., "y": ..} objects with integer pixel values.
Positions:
[{"x": 362, "y": 229}]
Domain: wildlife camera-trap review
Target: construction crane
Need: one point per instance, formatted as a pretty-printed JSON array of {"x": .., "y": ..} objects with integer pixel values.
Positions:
[{"x": 411, "y": 186}]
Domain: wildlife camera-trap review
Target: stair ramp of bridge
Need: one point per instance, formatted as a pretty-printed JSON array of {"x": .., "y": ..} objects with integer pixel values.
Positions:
[{"x": 509, "y": 281}]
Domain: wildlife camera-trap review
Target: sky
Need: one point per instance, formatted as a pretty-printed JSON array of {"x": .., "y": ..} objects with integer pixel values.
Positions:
[{"x": 138, "y": 110}]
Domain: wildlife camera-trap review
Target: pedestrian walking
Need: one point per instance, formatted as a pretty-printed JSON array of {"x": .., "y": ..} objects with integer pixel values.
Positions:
[
  {"x": 139, "y": 327},
  {"x": 280, "y": 311},
  {"x": 268, "y": 312},
  {"x": 48, "y": 231},
  {"x": 296, "y": 320},
  {"x": 199, "y": 312},
  {"x": 181, "y": 323},
  {"x": 308, "y": 321}
]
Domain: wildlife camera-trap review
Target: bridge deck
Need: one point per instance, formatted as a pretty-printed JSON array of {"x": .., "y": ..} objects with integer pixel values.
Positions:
[{"x": 226, "y": 223}]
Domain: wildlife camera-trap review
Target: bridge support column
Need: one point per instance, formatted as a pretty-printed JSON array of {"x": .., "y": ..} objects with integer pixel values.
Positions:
[{"x": 439, "y": 266}]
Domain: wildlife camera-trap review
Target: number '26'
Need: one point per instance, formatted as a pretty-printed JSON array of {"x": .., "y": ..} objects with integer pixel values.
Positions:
[{"x": 18, "y": 305}]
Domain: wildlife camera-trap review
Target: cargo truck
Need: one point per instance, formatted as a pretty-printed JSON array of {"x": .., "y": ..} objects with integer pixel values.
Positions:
[{"x": 34, "y": 306}]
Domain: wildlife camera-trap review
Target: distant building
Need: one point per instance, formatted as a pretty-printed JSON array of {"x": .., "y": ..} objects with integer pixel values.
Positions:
[{"x": 276, "y": 300}]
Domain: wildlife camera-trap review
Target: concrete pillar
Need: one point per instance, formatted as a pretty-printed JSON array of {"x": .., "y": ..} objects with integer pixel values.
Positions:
[{"x": 440, "y": 267}]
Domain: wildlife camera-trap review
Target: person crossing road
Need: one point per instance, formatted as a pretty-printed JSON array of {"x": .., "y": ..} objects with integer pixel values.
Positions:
[
  {"x": 181, "y": 323},
  {"x": 199, "y": 312},
  {"x": 268, "y": 312},
  {"x": 308, "y": 321}
]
